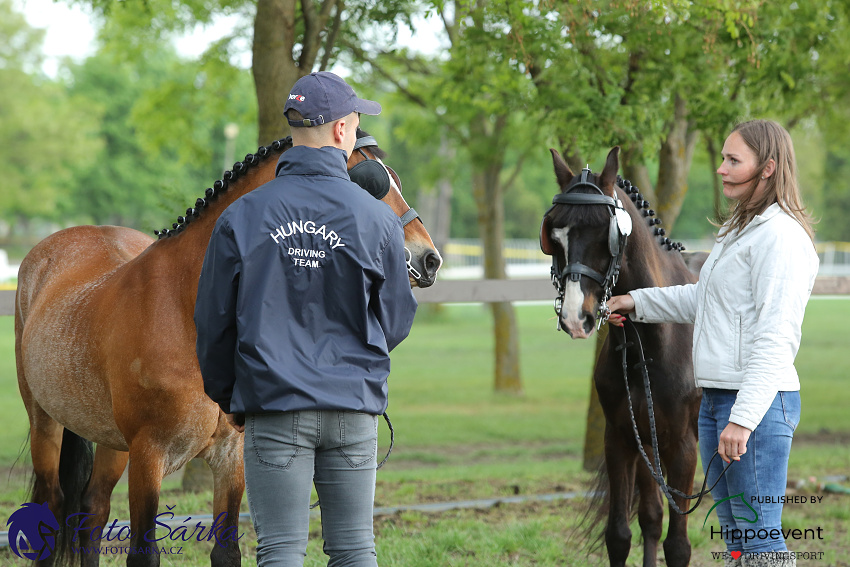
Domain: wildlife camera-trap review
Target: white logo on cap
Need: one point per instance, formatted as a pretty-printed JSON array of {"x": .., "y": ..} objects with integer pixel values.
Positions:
[{"x": 299, "y": 98}]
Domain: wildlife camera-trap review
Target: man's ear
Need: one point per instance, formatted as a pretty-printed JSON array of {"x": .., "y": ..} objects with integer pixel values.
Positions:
[{"x": 339, "y": 131}]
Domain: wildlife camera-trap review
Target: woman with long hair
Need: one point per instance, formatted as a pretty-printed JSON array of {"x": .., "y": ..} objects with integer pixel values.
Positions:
[{"x": 747, "y": 309}]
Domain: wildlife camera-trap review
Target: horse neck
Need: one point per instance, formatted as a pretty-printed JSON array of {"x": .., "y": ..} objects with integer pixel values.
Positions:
[
  {"x": 182, "y": 254},
  {"x": 647, "y": 263}
]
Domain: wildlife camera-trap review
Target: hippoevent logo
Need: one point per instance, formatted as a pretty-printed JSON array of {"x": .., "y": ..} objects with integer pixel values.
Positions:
[
  {"x": 722, "y": 500},
  {"x": 33, "y": 529}
]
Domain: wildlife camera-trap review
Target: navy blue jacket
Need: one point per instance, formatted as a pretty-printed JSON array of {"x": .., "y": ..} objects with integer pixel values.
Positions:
[{"x": 303, "y": 293}]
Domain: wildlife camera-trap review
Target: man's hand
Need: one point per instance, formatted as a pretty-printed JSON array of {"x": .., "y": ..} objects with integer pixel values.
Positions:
[{"x": 237, "y": 420}]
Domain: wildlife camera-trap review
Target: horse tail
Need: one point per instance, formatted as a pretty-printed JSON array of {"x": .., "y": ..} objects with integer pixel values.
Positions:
[
  {"x": 589, "y": 534},
  {"x": 76, "y": 460}
]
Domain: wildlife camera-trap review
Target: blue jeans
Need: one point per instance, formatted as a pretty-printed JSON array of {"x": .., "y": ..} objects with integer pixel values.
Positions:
[
  {"x": 756, "y": 483},
  {"x": 285, "y": 453}
]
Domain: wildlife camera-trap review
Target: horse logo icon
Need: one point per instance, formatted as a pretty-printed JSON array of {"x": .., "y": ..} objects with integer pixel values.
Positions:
[{"x": 32, "y": 531}]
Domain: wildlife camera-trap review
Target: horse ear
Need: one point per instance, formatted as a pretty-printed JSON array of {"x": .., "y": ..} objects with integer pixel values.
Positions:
[
  {"x": 545, "y": 241},
  {"x": 562, "y": 170},
  {"x": 609, "y": 175}
]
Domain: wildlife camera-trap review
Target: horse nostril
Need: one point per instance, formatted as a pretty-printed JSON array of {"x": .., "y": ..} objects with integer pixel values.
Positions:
[
  {"x": 432, "y": 263},
  {"x": 589, "y": 322}
]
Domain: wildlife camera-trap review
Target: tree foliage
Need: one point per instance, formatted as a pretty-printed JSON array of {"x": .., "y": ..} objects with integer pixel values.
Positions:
[{"x": 43, "y": 133}]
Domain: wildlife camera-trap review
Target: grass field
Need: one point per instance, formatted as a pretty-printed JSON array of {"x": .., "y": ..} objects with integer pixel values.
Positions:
[{"x": 457, "y": 440}]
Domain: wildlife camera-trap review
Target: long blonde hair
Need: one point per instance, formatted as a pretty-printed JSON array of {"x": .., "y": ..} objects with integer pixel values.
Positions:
[{"x": 769, "y": 141}]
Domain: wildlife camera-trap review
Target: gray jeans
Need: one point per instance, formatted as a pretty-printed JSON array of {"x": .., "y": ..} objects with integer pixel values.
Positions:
[{"x": 284, "y": 454}]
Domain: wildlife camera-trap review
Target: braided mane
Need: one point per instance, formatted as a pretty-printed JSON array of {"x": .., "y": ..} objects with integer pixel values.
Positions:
[
  {"x": 240, "y": 168},
  {"x": 641, "y": 203}
]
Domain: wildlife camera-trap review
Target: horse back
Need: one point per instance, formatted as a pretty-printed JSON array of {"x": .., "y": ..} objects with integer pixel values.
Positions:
[{"x": 70, "y": 261}]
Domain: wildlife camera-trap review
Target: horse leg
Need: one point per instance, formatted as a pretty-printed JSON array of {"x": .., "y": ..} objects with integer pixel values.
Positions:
[
  {"x": 650, "y": 512},
  {"x": 681, "y": 462},
  {"x": 620, "y": 462},
  {"x": 108, "y": 467},
  {"x": 146, "y": 471},
  {"x": 45, "y": 448},
  {"x": 225, "y": 460}
]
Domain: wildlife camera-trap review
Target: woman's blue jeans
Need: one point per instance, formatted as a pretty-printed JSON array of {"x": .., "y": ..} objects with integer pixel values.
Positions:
[
  {"x": 749, "y": 497},
  {"x": 285, "y": 453}
]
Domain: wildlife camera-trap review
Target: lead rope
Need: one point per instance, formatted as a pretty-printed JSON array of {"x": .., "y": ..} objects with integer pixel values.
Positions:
[
  {"x": 658, "y": 475},
  {"x": 390, "y": 450}
]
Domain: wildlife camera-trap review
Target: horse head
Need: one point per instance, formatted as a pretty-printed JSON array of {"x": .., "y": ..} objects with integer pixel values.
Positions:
[
  {"x": 367, "y": 169},
  {"x": 584, "y": 231}
]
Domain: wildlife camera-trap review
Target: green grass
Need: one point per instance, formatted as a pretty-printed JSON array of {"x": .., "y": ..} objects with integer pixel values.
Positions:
[{"x": 457, "y": 440}]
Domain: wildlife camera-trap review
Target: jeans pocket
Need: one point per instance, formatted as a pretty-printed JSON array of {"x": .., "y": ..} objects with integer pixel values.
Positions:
[
  {"x": 358, "y": 434},
  {"x": 274, "y": 438},
  {"x": 791, "y": 408}
]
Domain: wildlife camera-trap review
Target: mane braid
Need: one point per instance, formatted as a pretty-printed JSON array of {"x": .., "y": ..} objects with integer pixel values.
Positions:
[
  {"x": 642, "y": 204},
  {"x": 239, "y": 168}
]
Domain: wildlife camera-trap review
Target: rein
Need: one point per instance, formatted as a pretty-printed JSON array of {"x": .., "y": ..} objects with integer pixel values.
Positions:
[{"x": 657, "y": 473}]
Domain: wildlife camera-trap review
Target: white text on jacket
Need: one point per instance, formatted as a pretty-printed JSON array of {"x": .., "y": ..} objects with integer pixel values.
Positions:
[{"x": 306, "y": 227}]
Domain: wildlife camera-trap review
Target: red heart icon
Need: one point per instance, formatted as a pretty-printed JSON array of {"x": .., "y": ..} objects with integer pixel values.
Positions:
[{"x": 735, "y": 554}]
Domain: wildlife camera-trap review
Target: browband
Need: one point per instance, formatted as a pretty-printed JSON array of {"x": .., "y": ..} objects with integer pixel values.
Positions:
[{"x": 364, "y": 142}]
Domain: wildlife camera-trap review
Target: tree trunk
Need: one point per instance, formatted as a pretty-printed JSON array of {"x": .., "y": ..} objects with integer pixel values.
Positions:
[
  {"x": 634, "y": 169},
  {"x": 491, "y": 222},
  {"x": 674, "y": 163},
  {"x": 436, "y": 206},
  {"x": 594, "y": 435},
  {"x": 716, "y": 188},
  {"x": 197, "y": 476},
  {"x": 273, "y": 67}
]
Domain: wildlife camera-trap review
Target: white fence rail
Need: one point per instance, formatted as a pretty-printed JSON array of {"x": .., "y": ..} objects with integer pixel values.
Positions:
[{"x": 528, "y": 269}]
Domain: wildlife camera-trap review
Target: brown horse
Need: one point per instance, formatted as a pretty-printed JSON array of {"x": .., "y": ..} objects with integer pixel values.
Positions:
[
  {"x": 585, "y": 233},
  {"x": 105, "y": 348}
]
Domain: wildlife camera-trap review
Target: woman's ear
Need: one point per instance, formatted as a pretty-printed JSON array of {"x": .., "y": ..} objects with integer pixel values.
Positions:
[{"x": 769, "y": 169}]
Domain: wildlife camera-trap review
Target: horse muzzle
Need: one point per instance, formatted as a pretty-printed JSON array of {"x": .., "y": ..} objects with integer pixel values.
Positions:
[{"x": 423, "y": 268}]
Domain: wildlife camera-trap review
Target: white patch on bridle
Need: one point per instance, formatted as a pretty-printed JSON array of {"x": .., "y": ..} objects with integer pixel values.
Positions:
[{"x": 573, "y": 296}]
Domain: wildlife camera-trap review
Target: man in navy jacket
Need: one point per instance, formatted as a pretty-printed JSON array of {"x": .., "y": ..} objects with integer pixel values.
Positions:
[{"x": 303, "y": 293}]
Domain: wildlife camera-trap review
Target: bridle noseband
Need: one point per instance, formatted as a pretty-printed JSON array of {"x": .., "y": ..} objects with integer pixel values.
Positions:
[{"x": 619, "y": 229}]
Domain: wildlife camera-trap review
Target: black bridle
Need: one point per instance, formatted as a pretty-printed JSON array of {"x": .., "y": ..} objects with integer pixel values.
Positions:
[{"x": 619, "y": 228}]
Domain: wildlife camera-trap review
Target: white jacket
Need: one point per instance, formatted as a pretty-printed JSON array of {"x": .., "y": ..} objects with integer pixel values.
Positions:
[{"x": 747, "y": 310}]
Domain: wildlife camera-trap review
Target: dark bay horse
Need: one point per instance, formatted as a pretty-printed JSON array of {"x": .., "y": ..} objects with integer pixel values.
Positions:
[
  {"x": 105, "y": 348},
  {"x": 585, "y": 235}
]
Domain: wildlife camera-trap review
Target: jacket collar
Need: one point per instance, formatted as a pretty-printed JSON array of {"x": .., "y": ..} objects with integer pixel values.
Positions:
[
  {"x": 304, "y": 160},
  {"x": 768, "y": 214}
]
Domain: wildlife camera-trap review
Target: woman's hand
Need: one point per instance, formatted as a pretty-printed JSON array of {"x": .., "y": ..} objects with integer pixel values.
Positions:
[
  {"x": 733, "y": 442},
  {"x": 618, "y": 305}
]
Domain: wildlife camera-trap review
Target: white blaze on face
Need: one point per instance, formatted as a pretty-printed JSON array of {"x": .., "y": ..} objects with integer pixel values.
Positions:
[{"x": 573, "y": 296}]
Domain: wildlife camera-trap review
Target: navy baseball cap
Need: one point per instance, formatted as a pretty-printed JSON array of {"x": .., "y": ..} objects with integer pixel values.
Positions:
[{"x": 324, "y": 97}]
